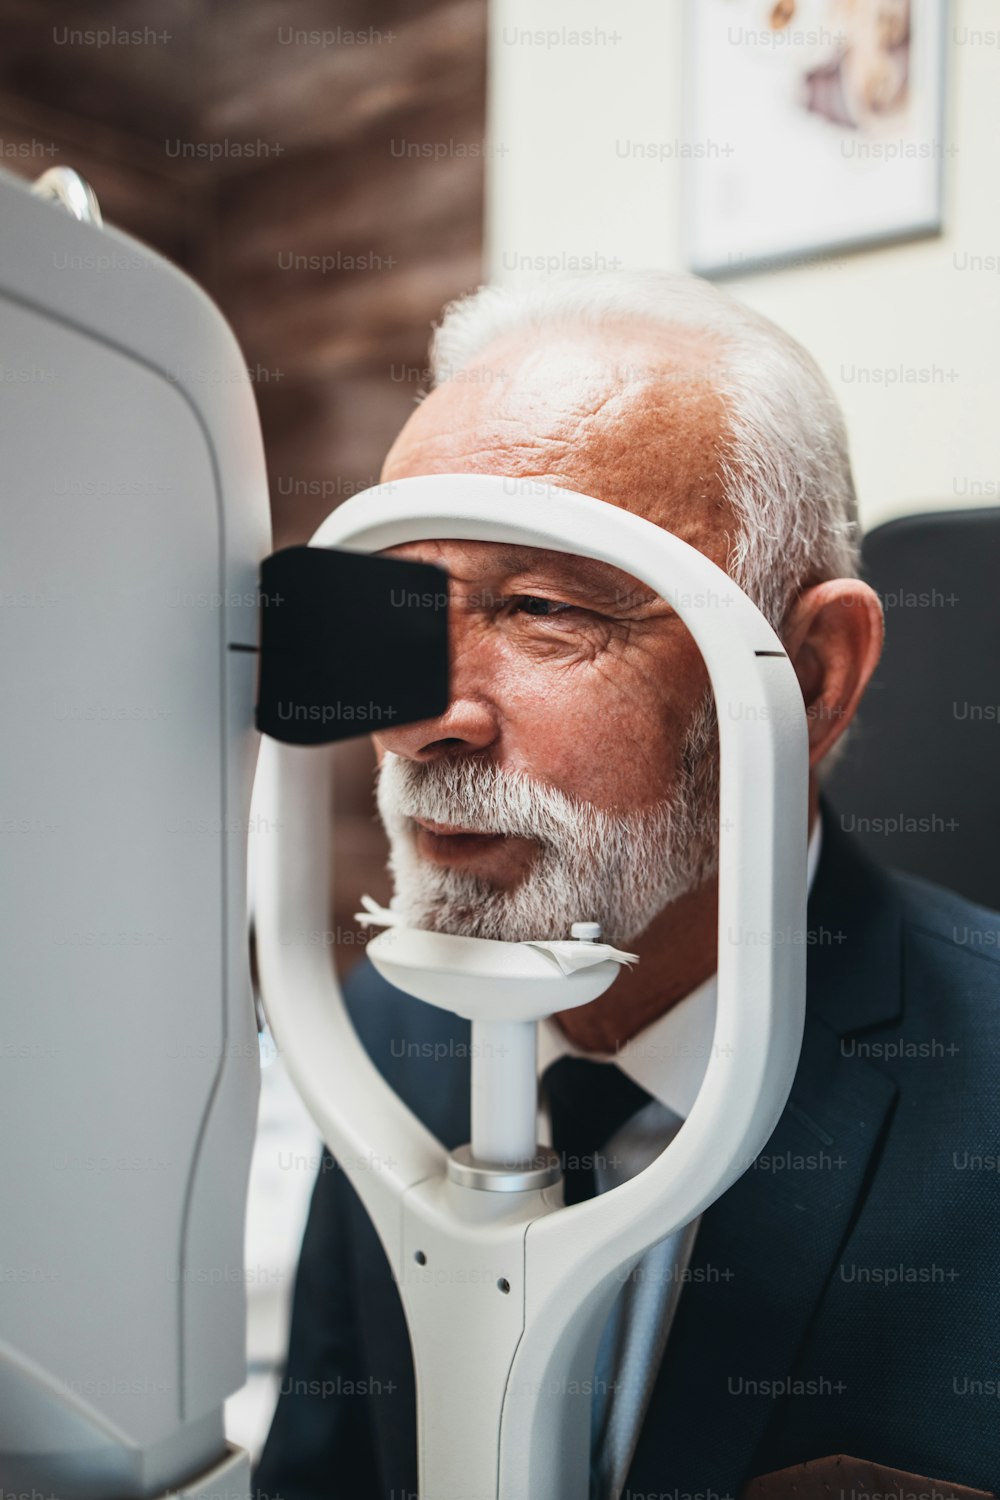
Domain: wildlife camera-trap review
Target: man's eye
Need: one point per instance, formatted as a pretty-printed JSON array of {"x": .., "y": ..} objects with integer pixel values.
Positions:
[{"x": 531, "y": 604}]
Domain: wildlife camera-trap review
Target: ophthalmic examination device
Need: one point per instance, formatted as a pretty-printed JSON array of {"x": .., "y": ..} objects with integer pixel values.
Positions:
[{"x": 152, "y": 645}]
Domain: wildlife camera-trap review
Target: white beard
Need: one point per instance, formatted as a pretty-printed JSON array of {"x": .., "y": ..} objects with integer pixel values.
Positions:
[{"x": 620, "y": 870}]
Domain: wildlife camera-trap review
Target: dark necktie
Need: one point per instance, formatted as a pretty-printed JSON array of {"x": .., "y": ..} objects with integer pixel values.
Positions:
[{"x": 588, "y": 1103}]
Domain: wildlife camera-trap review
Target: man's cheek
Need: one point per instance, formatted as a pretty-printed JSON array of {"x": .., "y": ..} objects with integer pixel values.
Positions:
[
  {"x": 561, "y": 653},
  {"x": 590, "y": 698},
  {"x": 599, "y": 665},
  {"x": 602, "y": 756}
]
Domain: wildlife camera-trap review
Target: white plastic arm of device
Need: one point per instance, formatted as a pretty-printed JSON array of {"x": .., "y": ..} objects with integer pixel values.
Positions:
[{"x": 573, "y": 1258}]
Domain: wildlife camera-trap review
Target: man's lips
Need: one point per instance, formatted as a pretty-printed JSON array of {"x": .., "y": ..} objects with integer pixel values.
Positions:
[
  {"x": 448, "y": 842},
  {"x": 452, "y": 830}
]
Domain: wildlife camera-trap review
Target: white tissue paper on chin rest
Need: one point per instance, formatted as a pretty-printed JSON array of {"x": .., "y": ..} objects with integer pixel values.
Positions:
[
  {"x": 377, "y": 916},
  {"x": 574, "y": 955},
  {"x": 570, "y": 955}
]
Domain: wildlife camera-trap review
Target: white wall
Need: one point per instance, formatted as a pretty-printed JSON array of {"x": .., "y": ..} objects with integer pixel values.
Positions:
[{"x": 558, "y": 189}]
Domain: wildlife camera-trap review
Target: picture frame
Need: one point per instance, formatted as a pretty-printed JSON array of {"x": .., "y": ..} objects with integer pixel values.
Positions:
[{"x": 812, "y": 128}]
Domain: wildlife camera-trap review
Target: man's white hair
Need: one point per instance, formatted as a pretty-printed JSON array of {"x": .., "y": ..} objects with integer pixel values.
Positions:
[{"x": 785, "y": 466}]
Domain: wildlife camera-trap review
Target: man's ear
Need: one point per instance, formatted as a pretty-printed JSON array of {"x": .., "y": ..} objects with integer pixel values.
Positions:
[{"x": 833, "y": 634}]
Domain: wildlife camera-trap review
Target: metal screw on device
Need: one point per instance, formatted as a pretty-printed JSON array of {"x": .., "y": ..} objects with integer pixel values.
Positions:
[
  {"x": 68, "y": 188},
  {"x": 586, "y": 932}
]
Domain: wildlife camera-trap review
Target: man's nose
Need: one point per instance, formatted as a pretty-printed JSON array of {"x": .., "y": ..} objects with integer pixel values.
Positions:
[
  {"x": 464, "y": 727},
  {"x": 470, "y": 723}
]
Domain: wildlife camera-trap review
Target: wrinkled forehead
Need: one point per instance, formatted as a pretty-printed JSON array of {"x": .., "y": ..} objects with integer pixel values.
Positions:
[{"x": 632, "y": 415}]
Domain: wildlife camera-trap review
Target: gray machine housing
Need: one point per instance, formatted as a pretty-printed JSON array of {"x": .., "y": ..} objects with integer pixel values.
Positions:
[{"x": 133, "y": 490}]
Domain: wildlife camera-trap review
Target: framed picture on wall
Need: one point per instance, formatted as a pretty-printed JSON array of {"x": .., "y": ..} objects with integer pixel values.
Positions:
[{"x": 811, "y": 126}]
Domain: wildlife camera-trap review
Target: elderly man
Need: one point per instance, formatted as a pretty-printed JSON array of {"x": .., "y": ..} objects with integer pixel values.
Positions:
[{"x": 834, "y": 1301}]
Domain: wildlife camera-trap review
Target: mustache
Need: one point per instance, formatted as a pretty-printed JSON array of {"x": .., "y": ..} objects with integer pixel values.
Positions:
[{"x": 476, "y": 794}]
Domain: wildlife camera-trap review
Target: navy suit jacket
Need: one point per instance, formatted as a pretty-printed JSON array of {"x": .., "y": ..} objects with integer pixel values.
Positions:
[{"x": 843, "y": 1296}]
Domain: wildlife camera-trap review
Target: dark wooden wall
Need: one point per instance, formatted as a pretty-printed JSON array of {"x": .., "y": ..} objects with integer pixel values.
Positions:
[{"x": 317, "y": 165}]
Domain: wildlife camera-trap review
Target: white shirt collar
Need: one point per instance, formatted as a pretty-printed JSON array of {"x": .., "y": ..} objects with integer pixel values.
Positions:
[{"x": 669, "y": 1057}]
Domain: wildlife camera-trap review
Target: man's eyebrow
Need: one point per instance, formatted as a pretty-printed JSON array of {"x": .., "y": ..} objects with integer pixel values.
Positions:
[
  {"x": 586, "y": 576},
  {"x": 588, "y": 571}
]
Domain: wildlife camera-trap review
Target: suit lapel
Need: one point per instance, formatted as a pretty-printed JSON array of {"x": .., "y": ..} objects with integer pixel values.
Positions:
[{"x": 766, "y": 1250}]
